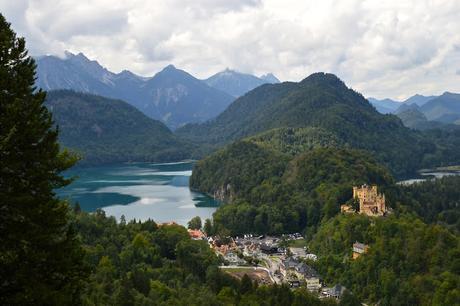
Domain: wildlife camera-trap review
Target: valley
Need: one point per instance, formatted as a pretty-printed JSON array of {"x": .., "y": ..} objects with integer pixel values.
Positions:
[{"x": 221, "y": 186}]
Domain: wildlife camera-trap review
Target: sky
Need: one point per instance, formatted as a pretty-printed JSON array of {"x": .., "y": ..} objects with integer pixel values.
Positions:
[{"x": 383, "y": 49}]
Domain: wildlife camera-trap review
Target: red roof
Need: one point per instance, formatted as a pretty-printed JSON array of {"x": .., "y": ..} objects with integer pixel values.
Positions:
[{"x": 196, "y": 234}]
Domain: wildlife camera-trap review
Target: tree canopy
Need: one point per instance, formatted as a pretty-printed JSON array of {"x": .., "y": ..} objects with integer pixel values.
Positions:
[{"x": 40, "y": 257}]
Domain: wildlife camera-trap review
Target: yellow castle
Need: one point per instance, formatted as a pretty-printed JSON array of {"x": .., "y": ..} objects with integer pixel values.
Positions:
[{"x": 371, "y": 203}]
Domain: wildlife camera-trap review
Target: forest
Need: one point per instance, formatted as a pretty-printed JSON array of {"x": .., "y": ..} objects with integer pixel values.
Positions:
[
  {"x": 270, "y": 192},
  {"x": 408, "y": 262},
  {"x": 103, "y": 130},
  {"x": 142, "y": 263},
  {"x": 51, "y": 254}
]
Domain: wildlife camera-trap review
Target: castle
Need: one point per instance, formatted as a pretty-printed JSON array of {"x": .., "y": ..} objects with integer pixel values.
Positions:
[{"x": 371, "y": 203}]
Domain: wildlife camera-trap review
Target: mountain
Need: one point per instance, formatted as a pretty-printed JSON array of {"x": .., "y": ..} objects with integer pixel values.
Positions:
[
  {"x": 418, "y": 99},
  {"x": 445, "y": 108},
  {"x": 237, "y": 83},
  {"x": 412, "y": 117},
  {"x": 104, "y": 130},
  {"x": 270, "y": 78},
  {"x": 172, "y": 95},
  {"x": 322, "y": 101},
  {"x": 385, "y": 106},
  {"x": 176, "y": 97}
]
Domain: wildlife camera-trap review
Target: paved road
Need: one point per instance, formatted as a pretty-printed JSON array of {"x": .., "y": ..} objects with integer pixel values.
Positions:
[{"x": 273, "y": 265}]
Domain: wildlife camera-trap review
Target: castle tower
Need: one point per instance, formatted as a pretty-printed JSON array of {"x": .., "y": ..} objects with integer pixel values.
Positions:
[{"x": 371, "y": 202}]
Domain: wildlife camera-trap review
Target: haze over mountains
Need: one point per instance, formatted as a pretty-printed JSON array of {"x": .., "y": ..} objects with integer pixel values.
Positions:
[
  {"x": 386, "y": 106},
  {"x": 172, "y": 96},
  {"x": 423, "y": 112}
]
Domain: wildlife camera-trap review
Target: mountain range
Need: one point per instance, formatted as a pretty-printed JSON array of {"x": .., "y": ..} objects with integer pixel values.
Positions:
[
  {"x": 386, "y": 106},
  {"x": 423, "y": 112},
  {"x": 237, "y": 83},
  {"x": 104, "y": 130},
  {"x": 172, "y": 96}
]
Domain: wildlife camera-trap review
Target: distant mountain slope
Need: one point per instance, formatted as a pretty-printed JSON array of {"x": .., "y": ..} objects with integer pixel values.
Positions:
[
  {"x": 385, "y": 106},
  {"x": 237, "y": 83},
  {"x": 418, "y": 99},
  {"x": 445, "y": 108},
  {"x": 323, "y": 101},
  {"x": 270, "y": 78},
  {"x": 106, "y": 130},
  {"x": 172, "y": 95},
  {"x": 412, "y": 117},
  {"x": 177, "y": 97}
]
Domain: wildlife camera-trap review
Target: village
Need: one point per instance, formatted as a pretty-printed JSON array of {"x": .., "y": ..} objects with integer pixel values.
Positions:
[{"x": 286, "y": 258}]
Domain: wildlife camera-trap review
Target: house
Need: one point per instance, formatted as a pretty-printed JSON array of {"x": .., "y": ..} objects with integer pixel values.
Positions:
[
  {"x": 233, "y": 259},
  {"x": 286, "y": 265},
  {"x": 251, "y": 250},
  {"x": 167, "y": 223},
  {"x": 196, "y": 234},
  {"x": 359, "y": 249},
  {"x": 298, "y": 252},
  {"x": 334, "y": 292},
  {"x": 347, "y": 209},
  {"x": 310, "y": 276},
  {"x": 293, "y": 270},
  {"x": 268, "y": 249}
]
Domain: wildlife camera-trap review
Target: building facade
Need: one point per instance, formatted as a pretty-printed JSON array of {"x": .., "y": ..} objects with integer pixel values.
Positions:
[
  {"x": 371, "y": 202},
  {"x": 359, "y": 249}
]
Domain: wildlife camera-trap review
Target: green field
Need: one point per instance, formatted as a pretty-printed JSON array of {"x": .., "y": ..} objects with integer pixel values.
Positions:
[{"x": 300, "y": 243}]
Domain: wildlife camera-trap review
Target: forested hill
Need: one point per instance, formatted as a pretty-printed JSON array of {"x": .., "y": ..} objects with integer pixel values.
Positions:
[
  {"x": 321, "y": 100},
  {"x": 104, "y": 130}
]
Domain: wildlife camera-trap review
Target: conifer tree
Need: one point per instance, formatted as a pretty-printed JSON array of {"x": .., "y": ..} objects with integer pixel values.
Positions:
[{"x": 40, "y": 257}]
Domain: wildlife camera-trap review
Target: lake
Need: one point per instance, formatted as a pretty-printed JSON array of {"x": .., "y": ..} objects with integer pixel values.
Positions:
[
  {"x": 428, "y": 174},
  {"x": 139, "y": 190}
]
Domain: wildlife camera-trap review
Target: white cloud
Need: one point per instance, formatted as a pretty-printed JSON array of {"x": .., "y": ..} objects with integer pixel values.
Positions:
[{"x": 381, "y": 48}]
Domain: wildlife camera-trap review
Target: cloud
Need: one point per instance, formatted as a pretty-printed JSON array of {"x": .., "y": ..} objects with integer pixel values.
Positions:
[{"x": 380, "y": 48}]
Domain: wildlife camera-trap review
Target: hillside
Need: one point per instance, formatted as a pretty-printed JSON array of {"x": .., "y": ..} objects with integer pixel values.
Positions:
[
  {"x": 405, "y": 256},
  {"x": 172, "y": 96},
  {"x": 418, "y": 99},
  {"x": 267, "y": 191},
  {"x": 236, "y": 83},
  {"x": 322, "y": 101},
  {"x": 445, "y": 108},
  {"x": 105, "y": 130}
]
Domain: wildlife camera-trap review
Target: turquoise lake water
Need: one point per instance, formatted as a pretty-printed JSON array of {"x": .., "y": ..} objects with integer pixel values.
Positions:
[{"x": 139, "y": 190}]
